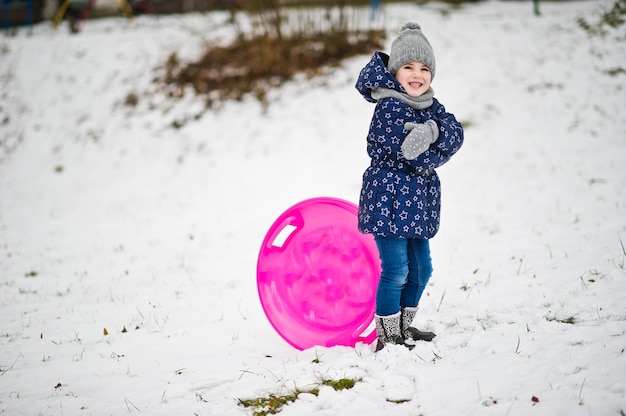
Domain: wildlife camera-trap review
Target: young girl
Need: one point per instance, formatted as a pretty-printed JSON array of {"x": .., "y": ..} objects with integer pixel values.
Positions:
[{"x": 410, "y": 135}]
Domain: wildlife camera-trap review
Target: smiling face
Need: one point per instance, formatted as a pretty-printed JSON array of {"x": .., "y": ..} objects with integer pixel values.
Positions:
[{"x": 415, "y": 77}]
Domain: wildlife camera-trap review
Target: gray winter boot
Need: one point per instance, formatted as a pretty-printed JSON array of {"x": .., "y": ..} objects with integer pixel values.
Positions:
[
  {"x": 388, "y": 330},
  {"x": 409, "y": 332}
]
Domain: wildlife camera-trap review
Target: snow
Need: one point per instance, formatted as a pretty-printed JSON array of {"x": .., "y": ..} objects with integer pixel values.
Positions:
[{"x": 110, "y": 218}]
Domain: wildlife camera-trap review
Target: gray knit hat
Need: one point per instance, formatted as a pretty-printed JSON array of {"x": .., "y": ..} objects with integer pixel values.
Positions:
[{"x": 411, "y": 45}]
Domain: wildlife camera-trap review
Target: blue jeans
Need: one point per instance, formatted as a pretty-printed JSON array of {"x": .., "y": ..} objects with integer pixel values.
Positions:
[{"x": 406, "y": 269}]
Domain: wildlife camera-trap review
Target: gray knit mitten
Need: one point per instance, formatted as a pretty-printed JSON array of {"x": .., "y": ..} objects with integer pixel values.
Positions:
[{"x": 420, "y": 137}]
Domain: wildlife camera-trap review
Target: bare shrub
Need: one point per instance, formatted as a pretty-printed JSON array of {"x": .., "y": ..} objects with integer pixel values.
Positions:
[{"x": 274, "y": 42}]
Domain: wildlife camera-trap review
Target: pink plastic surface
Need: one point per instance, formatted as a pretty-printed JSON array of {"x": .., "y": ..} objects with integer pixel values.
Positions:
[{"x": 317, "y": 275}]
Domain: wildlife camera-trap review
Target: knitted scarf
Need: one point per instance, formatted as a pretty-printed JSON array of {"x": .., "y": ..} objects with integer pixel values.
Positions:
[{"x": 418, "y": 103}]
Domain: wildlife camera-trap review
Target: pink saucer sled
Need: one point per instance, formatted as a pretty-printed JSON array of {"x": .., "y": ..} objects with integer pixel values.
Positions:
[{"x": 317, "y": 275}]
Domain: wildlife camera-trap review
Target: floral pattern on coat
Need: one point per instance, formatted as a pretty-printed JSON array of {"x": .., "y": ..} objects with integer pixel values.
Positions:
[{"x": 400, "y": 197}]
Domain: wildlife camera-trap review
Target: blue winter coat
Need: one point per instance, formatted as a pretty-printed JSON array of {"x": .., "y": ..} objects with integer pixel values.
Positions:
[{"x": 400, "y": 197}]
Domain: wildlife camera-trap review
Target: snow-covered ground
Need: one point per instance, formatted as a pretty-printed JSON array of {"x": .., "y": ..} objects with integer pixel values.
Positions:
[{"x": 113, "y": 221}]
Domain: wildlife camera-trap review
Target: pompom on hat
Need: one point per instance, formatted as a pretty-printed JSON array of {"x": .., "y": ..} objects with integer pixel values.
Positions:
[{"x": 411, "y": 45}]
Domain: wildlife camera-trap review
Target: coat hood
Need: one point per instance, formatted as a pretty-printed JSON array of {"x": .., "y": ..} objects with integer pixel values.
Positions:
[{"x": 376, "y": 75}]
